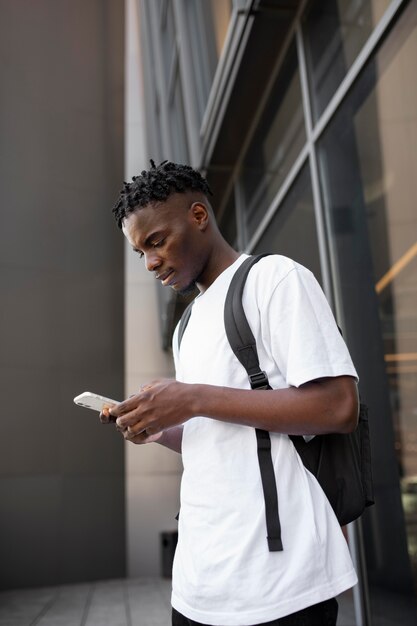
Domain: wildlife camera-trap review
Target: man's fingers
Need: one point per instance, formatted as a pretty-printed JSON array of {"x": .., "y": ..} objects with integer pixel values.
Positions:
[
  {"x": 129, "y": 419},
  {"x": 142, "y": 437},
  {"x": 152, "y": 430},
  {"x": 106, "y": 418},
  {"x": 130, "y": 404},
  {"x": 137, "y": 428}
]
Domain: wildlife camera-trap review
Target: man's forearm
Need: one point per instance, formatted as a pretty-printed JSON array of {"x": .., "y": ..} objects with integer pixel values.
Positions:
[
  {"x": 321, "y": 406},
  {"x": 318, "y": 407}
]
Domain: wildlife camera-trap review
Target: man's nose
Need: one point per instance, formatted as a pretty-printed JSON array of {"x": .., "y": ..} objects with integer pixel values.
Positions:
[{"x": 152, "y": 261}]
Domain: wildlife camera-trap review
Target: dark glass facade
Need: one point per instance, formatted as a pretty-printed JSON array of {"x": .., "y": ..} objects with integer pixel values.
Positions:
[
  {"x": 321, "y": 166},
  {"x": 367, "y": 160}
]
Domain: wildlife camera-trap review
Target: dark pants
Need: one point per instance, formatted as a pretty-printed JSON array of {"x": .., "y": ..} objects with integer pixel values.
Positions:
[{"x": 323, "y": 614}]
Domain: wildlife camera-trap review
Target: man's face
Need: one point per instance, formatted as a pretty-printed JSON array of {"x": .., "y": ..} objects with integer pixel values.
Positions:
[{"x": 170, "y": 237}]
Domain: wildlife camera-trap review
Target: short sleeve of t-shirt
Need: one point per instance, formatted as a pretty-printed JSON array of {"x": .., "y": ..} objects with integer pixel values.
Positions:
[{"x": 299, "y": 328}]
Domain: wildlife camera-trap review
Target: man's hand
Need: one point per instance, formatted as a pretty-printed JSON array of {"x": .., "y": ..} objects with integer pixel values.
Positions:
[
  {"x": 106, "y": 418},
  {"x": 159, "y": 405}
]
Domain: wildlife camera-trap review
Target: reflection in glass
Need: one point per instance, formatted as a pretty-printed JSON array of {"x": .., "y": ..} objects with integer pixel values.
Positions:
[
  {"x": 275, "y": 145},
  {"x": 167, "y": 40},
  {"x": 177, "y": 123},
  {"x": 292, "y": 231},
  {"x": 228, "y": 222},
  {"x": 368, "y": 167},
  {"x": 221, "y": 11},
  {"x": 207, "y": 25},
  {"x": 334, "y": 33}
]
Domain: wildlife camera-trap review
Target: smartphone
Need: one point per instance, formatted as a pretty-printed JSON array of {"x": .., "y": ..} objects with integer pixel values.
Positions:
[{"x": 94, "y": 401}]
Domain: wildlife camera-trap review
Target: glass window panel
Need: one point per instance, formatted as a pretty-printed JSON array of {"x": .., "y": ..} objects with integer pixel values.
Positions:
[
  {"x": 177, "y": 124},
  {"x": 208, "y": 22},
  {"x": 228, "y": 222},
  {"x": 167, "y": 40},
  {"x": 221, "y": 11},
  {"x": 156, "y": 136},
  {"x": 275, "y": 145},
  {"x": 368, "y": 159},
  {"x": 160, "y": 5},
  {"x": 292, "y": 232},
  {"x": 335, "y": 32}
]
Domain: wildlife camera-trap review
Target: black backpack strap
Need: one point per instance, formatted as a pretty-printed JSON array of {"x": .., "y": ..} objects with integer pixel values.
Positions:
[
  {"x": 184, "y": 321},
  {"x": 243, "y": 344},
  {"x": 238, "y": 331}
]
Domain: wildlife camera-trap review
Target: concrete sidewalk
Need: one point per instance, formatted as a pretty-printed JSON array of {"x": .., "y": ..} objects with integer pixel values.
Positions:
[
  {"x": 143, "y": 602},
  {"x": 130, "y": 602},
  {"x": 121, "y": 602}
]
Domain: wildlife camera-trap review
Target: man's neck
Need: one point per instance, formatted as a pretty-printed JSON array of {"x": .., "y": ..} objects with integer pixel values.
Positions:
[{"x": 222, "y": 257}]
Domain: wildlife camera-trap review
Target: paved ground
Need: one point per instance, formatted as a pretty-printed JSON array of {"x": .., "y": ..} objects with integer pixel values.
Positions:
[
  {"x": 140, "y": 602},
  {"x": 126, "y": 602},
  {"x": 143, "y": 602}
]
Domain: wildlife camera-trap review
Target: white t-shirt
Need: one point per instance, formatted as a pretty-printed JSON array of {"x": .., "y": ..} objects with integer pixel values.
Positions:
[{"x": 223, "y": 572}]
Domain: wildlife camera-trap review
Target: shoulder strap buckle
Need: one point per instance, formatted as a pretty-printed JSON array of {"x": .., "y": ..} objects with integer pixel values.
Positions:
[{"x": 259, "y": 380}]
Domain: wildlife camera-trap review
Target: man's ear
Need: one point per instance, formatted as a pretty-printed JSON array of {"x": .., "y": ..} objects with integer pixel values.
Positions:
[{"x": 200, "y": 214}]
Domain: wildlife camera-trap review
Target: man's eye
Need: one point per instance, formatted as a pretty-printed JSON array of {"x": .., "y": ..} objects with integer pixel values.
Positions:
[{"x": 157, "y": 244}]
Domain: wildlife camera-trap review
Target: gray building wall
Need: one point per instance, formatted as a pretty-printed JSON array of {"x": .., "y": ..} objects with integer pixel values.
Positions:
[{"x": 61, "y": 287}]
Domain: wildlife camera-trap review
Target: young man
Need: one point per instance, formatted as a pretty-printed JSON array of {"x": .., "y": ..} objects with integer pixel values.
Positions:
[{"x": 223, "y": 572}]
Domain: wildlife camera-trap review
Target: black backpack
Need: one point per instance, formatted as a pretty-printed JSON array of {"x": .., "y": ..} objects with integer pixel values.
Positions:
[{"x": 340, "y": 462}]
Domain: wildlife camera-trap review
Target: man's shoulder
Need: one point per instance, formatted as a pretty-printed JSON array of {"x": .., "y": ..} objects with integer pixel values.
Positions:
[{"x": 274, "y": 268}]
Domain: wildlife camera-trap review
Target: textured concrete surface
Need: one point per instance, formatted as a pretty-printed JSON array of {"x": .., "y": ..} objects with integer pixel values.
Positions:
[
  {"x": 134, "y": 602},
  {"x": 143, "y": 602}
]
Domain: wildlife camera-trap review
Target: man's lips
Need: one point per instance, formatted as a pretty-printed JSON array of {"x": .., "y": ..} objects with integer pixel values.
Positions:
[{"x": 165, "y": 277}]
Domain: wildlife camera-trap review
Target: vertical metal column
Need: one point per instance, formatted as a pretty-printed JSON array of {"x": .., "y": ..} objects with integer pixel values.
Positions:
[{"x": 318, "y": 207}]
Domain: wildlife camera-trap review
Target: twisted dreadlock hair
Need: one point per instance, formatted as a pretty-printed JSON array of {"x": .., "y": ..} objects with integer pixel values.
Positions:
[{"x": 156, "y": 185}]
